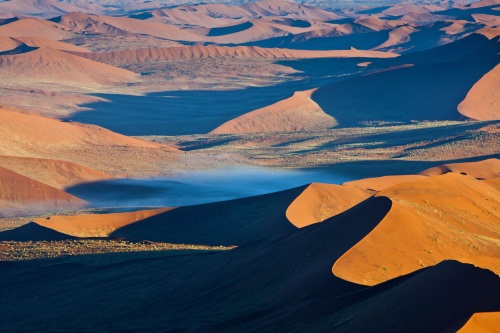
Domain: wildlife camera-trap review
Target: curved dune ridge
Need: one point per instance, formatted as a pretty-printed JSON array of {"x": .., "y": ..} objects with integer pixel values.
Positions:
[
  {"x": 49, "y": 65},
  {"x": 482, "y": 322},
  {"x": 96, "y": 225},
  {"x": 34, "y": 136},
  {"x": 483, "y": 100},
  {"x": 8, "y": 44},
  {"x": 449, "y": 216},
  {"x": 397, "y": 36},
  {"x": 48, "y": 43},
  {"x": 22, "y": 195},
  {"x": 297, "y": 113},
  {"x": 58, "y": 174},
  {"x": 486, "y": 169},
  {"x": 33, "y": 27},
  {"x": 243, "y": 52},
  {"x": 319, "y": 202}
]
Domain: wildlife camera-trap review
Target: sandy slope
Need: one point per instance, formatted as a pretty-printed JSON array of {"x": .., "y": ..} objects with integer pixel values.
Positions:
[
  {"x": 58, "y": 174},
  {"x": 96, "y": 225},
  {"x": 48, "y": 43},
  {"x": 486, "y": 322},
  {"x": 7, "y": 43},
  {"x": 381, "y": 183},
  {"x": 442, "y": 217},
  {"x": 319, "y": 202},
  {"x": 49, "y": 65},
  {"x": 398, "y": 36},
  {"x": 483, "y": 100},
  {"x": 297, "y": 113},
  {"x": 486, "y": 169},
  {"x": 242, "y": 52},
  {"x": 32, "y": 27},
  {"x": 22, "y": 195}
]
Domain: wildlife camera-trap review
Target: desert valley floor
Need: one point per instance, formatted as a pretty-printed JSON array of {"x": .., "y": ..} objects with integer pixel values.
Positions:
[{"x": 250, "y": 166}]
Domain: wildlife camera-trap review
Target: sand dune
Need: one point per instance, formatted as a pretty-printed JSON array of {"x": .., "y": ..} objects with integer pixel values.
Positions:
[
  {"x": 48, "y": 43},
  {"x": 49, "y": 65},
  {"x": 58, "y": 174},
  {"x": 381, "y": 183},
  {"x": 319, "y": 202},
  {"x": 486, "y": 169},
  {"x": 33, "y": 136},
  {"x": 442, "y": 217},
  {"x": 32, "y": 27},
  {"x": 482, "y": 322},
  {"x": 397, "y": 36},
  {"x": 378, "y": 24},
  {"x": 7, "y": 43},
  {"x": 484, "y": 3},
  {"x": 22, "y": 195},
  {"x": 242, "y": 52},
  {"x": 488, "y": 20},
  {"x": 116, "y": 26},
  {"x": 483, "y": 100},
  {"x": 46, "y": 8},
  {"x": 96, "y": 225},
  {"x": 297, "y": 113}
]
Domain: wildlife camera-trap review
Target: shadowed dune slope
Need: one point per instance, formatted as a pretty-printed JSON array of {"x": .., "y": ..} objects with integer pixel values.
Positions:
[
  {"x": 487, "y": 322},
  {"x": 54, "y": 44},
  {"x": 432, "y": 89},
  {"x": 297, "y": 113},
  {"x": 450, "y": 216},
  {"x": 483, "y": 100},
  {"x": 96, "y": 225},
  {"x": 49, "y": 65},
  {"x": 233, "y": 222},
  {"x": 319, "y": 202},
  {"x": 242, "y": 52},
  {"x": 58, "y": 174},
  {"x": 32, "y": 232},
  {"x": 22, "y": 195}
]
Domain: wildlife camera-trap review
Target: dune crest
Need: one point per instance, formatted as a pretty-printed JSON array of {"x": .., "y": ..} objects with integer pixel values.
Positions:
[
  {"x": 483, "y": 99},
  {"x": 297, "y": 113},
  {"x": 449, "y": 216},
  {"x": 482, "y": 322},
  {"x": 49, "y": 65},
  {"x": 319, "y": 202},
  {"x": 486, "y": 169},
  {"x": 22, "y": 195},
  {"x": 96, "y": 225}
]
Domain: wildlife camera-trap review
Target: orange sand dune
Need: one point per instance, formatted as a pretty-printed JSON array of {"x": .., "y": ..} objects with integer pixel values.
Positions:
[
  {"x": 486, "y": 169},
  {"x": 377, "y": 24},
  {"x": 297, "y": 113},
  {"x": 404, "y": 8},
  {"x": 397, "y": 36},
  {"x": 32, "y": 27},
  {"x": 489, "y": 32},
  {"x": 484, "y": 322},
  {"x": 319, "y": 202},
  {"x": 80, "y": 22},
  {"x": 58, "y": 174},
  {"x": 96, "y": 225},
  {"x": 34, "y": 136},
  {"x": 483, "y": 100},
  {"x": 42, "y": 42},
  {"x": 49, "y": 65},
  {"x": 449, "y": 216},
  {"x": 201, "y": 52},
  {"x": 7, "y": 43},
  {"x": 484, "y": 3},
  {"x": 488, "y": 20},
  {"x": 22, "y": 195},
  {"x": 381, "y": 183}
]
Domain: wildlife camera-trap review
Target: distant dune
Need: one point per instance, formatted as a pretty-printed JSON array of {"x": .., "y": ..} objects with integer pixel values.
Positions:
[
  {"x": 49, "y": 65},
  {"x": 242, "y": 52},
  {"x": 96, "y": 225},
  {"x": 33, "y": 27},
  {"x": 483, "y": 100},
  {"x": 22, "y": 195},
  {"x": 58, "y": 174},
  {"x": 297, "y": 113}
]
